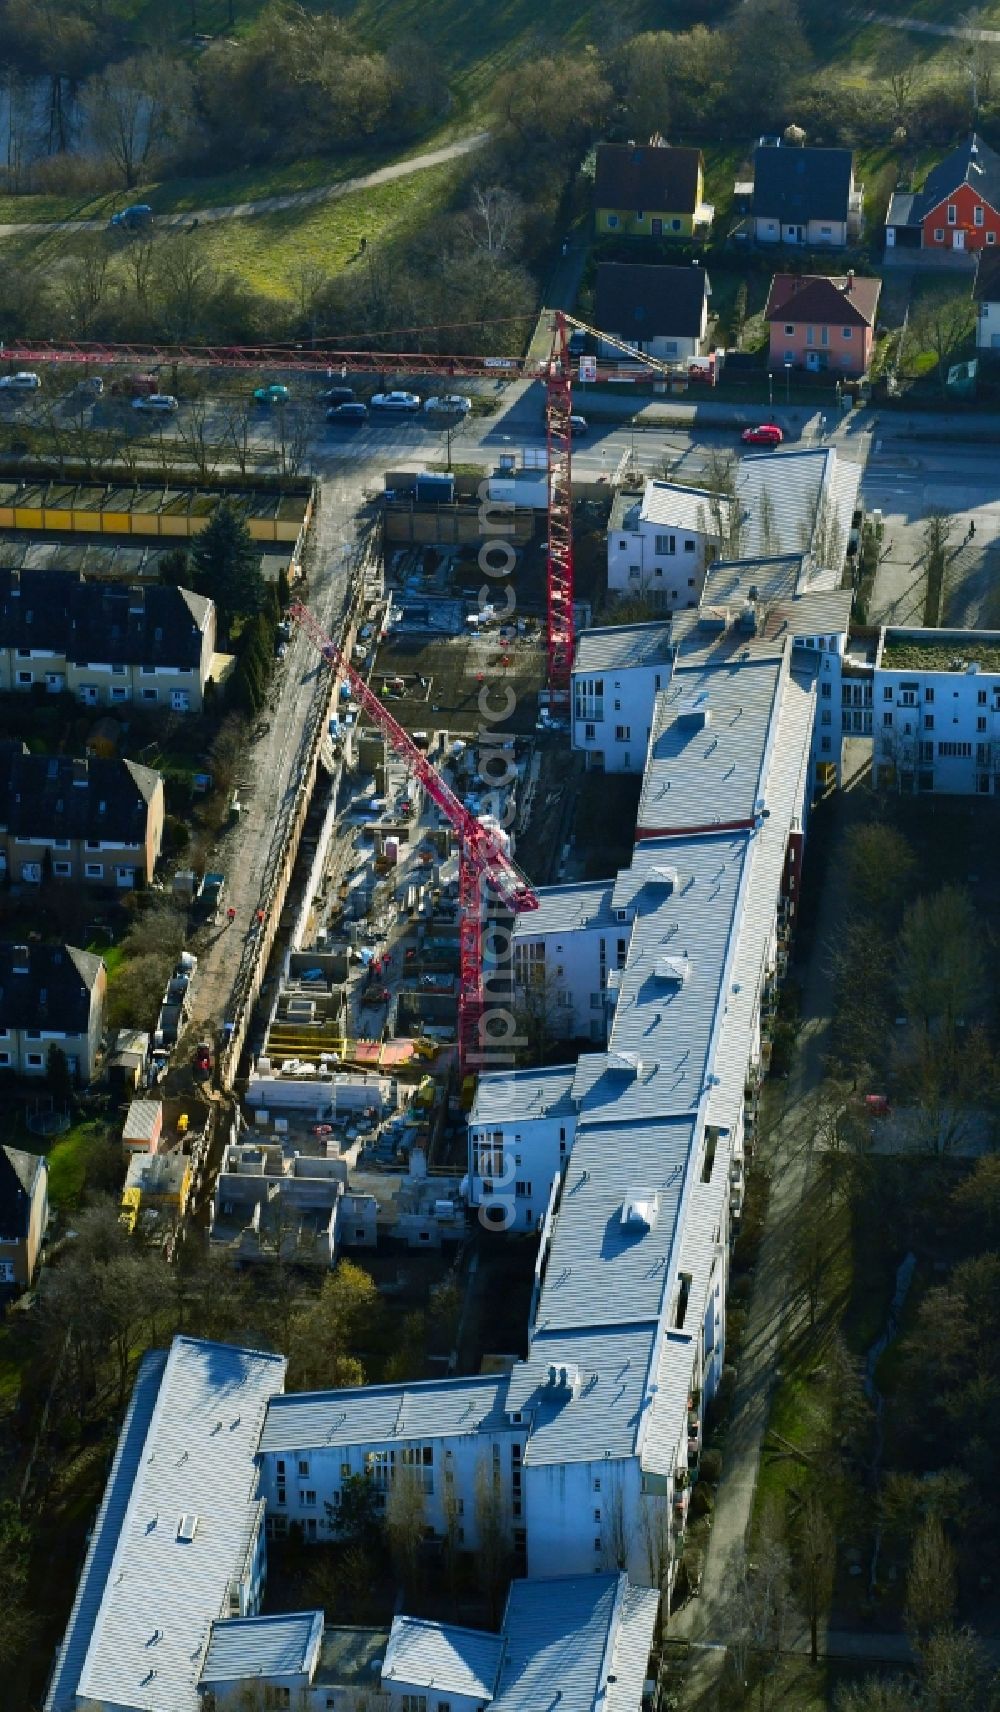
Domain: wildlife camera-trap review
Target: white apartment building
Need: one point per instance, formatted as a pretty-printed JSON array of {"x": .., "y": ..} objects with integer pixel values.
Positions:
[
  {"x": 617, "y": 674},
  {"x": 661, "y": 542},
  {"x": 936, "y": 711},
  {"x": 748, "y": 609},
  {"x": 449, "y": 1434},
  {"x": 561, "y": 967},
  {"x": 660, "y": 545},
  {"x": 521, "y": 1132}
]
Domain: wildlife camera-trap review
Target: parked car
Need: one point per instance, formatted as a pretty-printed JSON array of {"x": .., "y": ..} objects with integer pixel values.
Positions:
[
  {"x": 395, "y": 401},
  {"x": 273, "y": 394},
  {"x": 161, "y": 403},
  {"x": 338, "y": 395},
  {"x": 767, "y": 434},
  {"x": 450, "y": 403},
  {"x": 91, "y": 386},
  {"x": 578, "y": 425},
  {"x": 140, "y": 214},
  {"x": 349, "y": 411},
  {"x": 135, "y": 385},
  {"x": 24, "y": 381}
]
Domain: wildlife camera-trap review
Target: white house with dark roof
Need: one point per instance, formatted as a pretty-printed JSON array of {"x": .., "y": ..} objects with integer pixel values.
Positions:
[{"x": 50, "y": 995}]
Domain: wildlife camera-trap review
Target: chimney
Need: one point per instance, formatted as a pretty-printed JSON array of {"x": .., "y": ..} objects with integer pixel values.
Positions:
[{"x": 849, "y": 281}]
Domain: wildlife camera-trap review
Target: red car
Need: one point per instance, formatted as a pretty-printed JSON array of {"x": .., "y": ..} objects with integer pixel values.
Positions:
[{"x": 768, "y": 434}]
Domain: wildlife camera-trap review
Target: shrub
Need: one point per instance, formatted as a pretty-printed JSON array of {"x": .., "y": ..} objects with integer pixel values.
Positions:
[
  {"x": 710, "y": 1467},
  {"x": 702, "y": 1502}
]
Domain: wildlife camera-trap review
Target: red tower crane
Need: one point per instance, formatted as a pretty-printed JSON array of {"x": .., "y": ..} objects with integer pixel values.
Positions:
[
  {"x": 483, "y": 863},
  {"x": 556, "y": 372}
]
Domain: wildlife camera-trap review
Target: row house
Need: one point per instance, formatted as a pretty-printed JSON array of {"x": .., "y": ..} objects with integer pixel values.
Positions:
[
  {"x": 96, "y": 821},
  {"x": 51, "y": 995},
  {"x": 106, "y": 645}
]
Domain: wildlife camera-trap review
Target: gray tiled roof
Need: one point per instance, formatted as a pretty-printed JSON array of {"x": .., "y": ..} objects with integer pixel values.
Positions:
[
  {"x": 623, "y": 645},
  {"x": 796, "y": 185},
  {"x": 162, "y": 1592},
  {"x": 571, "y": 1636},
  {"x": 581, "y": 903},
  {"x": 507, "y": 1096},
  {"x": 636, "y": 300},
  {"x": 373, "y": 1414},
  {"x": 152, "y": 624},
  {"x": 442, "y": 1656},
  {"x": 47, "y": 987},
  {"x": 603, "y": 1416},
  {"x": 708, "y": 747},
  {"x": 53, "y": 796},
  {"x": 282, "y": 1645}
]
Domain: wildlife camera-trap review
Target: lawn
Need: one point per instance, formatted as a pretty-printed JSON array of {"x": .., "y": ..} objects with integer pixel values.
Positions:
[{"x": 270, "y": 251}]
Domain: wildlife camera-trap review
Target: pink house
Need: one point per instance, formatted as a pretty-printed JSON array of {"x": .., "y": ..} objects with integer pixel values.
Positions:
[{"x": 819, "y": 323}]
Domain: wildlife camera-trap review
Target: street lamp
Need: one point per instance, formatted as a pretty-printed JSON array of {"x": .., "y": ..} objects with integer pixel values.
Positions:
[
  {"x": 770, "y": 386},
  {"x": 788, "y": 380}
]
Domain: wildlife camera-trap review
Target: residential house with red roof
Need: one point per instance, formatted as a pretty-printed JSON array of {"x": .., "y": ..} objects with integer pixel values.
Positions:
[
  {"x": 958, "y": 209},
  {"x": 820, "y": 322}
]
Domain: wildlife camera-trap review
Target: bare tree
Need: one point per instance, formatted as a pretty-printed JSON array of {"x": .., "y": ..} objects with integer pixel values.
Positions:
[
  {"x": 405, "y": 1520},
  {"x": 134, "y": 108},
  {"x": 493, "y": 219},
  {"x": 756, "y": 1602},
  {"x": 193, "y": 434},
  {"x": 290, "y": 440},
  {"x": 493, "y": 1552},
  {"x": 931, "y": 1588},
  {"x": 236, "y": 433},
  {"x": 85, "y": 284},
  {"x": 816, "y": 1559},
  {"x": 616, "y": 1529},
  {"x": 976, "y": 59}
]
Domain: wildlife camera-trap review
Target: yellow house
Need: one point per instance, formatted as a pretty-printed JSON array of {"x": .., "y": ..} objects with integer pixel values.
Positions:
[
  {"x": 157, "y": 1183},
  {"x": 650, "y": 191}
]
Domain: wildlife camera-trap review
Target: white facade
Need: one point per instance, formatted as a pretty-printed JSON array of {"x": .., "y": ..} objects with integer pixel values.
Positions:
[
  {"x": 811, "y": 234},
  {"x": 936, "y": 711},
  {"x": 562, "y": 967},
  {"x": 520, "y": 1132},
  {"x": 988, "y": 326},
  {"x": 660, "y": 544},
  {"x": 617, "y": 676}
]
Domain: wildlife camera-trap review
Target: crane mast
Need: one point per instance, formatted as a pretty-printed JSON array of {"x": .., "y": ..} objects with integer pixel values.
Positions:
[{"x": 484, "y": 865}]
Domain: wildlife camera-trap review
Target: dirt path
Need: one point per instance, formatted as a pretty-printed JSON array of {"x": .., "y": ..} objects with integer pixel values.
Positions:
[
  {"x": 923, "y": 28},
  {"x": 271, "y": 204}
]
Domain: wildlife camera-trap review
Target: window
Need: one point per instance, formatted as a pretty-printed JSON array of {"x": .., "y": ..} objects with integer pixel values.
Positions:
[
  {"x": 887, "y": 719},
  {"x": 277, "y": 1697},
  {"x": 589, "y": 733},
  {"x": 612, "y": 222},
  {"x": 848, "y": 332},
  {"x": 981, "y": 723},
  {"x": 597, "y": 1515},
  {"x": 308, "y": 1498},
  {"x": 24, "y": 677},
  {"x": 938, "y": 235},
  {"x": 826, "y": 717},
  {"x": 149, "y": 695},
  {"x": 414, "y": 1703},
  {"x": 991, "y": 237},
  {"x": 789, "y": 332},
  {"x": 824, "y": 335},
  {"x": 928, "y": 695},
  {"x": 62, "y": 869},
  {"x": 598, "y": 1545},
  {"x": 887, "y": 693},
  {"x": 666, "y": 545},
  {"x": 952, "y": 214},
  {"x": 639, "y": 214},
  {"x": 928, "y": 722},
  {"x": 634, "y": 573},
  {"x": 825, "y": 745},
  {"x": 675, "y": 225},
  {"x": 979, "y": 217},
  {"x": 956, "y": 751},
  {"x": 825, "y": 691},
  {"x": 522, "y": 1188},
  {"x": 93, "y": 871},
  {"x": 623, "y": 733},
  {"x": 689, "y": 546},
  {"x": 35, "y": 1060},
  {"x": 4, "y": 1058}
]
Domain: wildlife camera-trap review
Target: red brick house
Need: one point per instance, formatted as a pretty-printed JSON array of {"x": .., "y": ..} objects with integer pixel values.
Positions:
[
  {"x": 958, "y": 209},
  {"x": 817, "y": 322}
]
